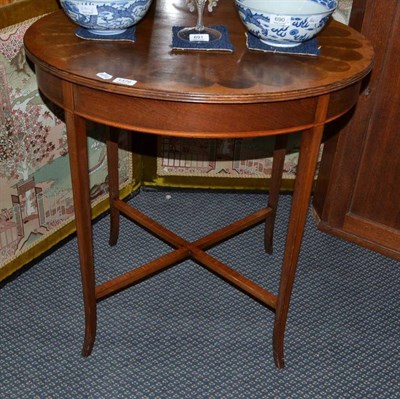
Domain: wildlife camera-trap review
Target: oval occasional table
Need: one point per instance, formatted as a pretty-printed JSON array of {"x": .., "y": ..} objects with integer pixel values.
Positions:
[{"x": 208, "y": 95}]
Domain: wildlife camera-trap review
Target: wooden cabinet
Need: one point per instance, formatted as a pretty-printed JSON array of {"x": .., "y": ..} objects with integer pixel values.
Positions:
[{"x": 357, "y": 195}]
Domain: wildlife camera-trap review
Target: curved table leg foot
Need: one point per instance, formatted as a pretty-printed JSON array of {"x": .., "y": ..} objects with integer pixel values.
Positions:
[
  {"x": 88, "y": 343},
  {"x": 278, "y": 350}
]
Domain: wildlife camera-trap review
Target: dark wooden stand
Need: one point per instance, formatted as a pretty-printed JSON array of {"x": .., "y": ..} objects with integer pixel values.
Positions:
[
  {"x": 200, "y": 95},
  {"x": 357, "y": 196}
]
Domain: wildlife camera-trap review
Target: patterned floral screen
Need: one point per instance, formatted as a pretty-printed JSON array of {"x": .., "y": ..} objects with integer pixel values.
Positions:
[{"x": 35, "y": 187}]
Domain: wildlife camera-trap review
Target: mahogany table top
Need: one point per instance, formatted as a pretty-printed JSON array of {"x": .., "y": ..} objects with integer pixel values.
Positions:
[{"x": 243, "y": 76}]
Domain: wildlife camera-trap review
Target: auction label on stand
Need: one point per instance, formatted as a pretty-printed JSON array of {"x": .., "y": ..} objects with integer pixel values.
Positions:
[{"x": 199, "y": 37}]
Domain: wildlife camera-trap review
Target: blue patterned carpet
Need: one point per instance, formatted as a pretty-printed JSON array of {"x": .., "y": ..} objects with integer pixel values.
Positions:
[{"x": 187, "y": 334}]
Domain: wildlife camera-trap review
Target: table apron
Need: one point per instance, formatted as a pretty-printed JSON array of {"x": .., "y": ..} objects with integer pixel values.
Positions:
[{"x": 189, "y": 119}]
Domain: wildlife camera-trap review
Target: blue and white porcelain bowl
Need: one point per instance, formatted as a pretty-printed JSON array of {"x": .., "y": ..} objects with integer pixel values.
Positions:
[
  {"x": 285, "y": 23},
  {"x": 106, "y": 17}
]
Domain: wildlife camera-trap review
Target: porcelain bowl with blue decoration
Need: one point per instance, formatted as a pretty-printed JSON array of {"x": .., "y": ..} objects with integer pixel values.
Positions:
[
  {"x": 285, "y": 23},
  {"x": 106, "y": 17}
]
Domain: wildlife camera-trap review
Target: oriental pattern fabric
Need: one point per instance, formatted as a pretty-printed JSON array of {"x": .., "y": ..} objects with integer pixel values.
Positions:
[
  {"x": 222, "y": 158},
  {"x": 35, "y": 186}
]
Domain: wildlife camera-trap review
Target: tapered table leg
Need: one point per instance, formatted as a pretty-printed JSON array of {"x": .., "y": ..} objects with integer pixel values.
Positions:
[
  {"x": 273, "y": 196},
  {"x": 113, "y": 182},
  {"x": 308, "y": 157},
  {"x": 78, "y": 156}
]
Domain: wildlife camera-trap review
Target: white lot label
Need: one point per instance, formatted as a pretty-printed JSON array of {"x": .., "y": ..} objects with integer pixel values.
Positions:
[
  {"x": 127, "y": 82},
  {"x": 88, "y": 9},
  {"x": 104, "y": 75},
  {"x": 280, "y": 20},
  {"x": 199, "y": 37}
]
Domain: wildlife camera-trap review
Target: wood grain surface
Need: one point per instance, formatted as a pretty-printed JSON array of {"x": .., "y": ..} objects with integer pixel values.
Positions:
[{"x": 239, "y": 77}]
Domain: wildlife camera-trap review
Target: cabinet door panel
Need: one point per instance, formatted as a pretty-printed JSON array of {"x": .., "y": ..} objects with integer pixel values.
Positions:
[
  {"x": 357, "y": 196},
  {"x": 377, "y": 191}
]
